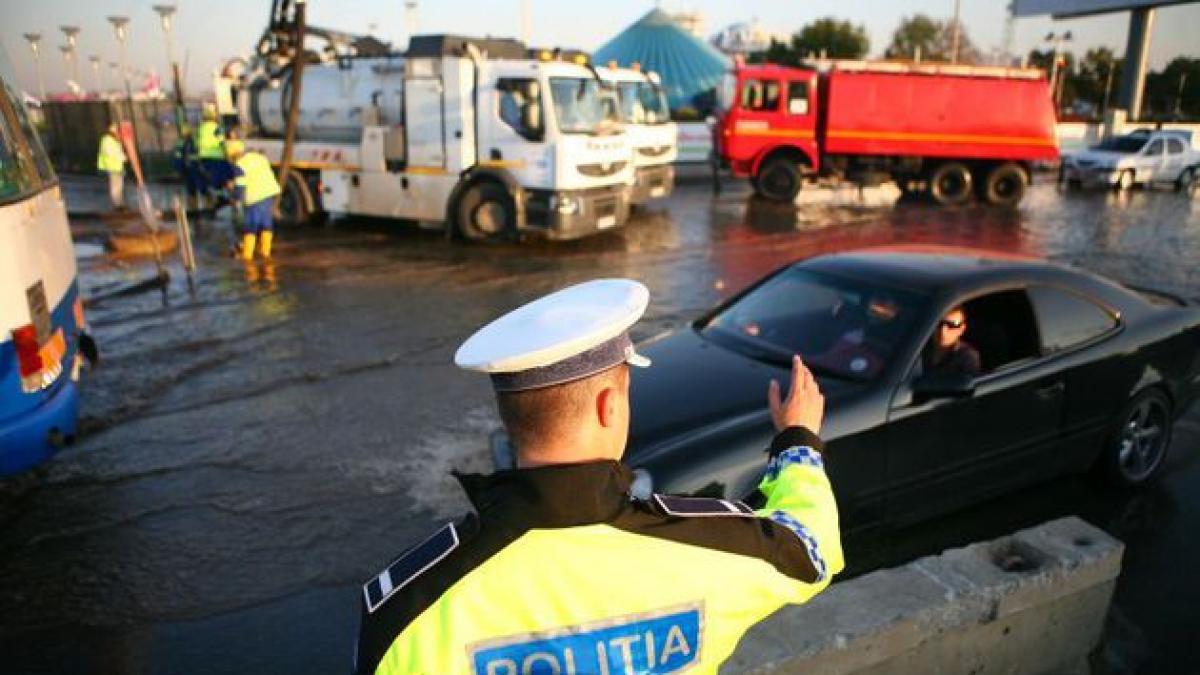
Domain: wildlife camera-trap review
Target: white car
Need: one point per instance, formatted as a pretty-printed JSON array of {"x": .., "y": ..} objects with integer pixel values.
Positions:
[{"x": 1140, "y": 158}]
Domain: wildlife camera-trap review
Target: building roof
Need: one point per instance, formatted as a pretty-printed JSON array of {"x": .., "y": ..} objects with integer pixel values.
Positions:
[{"x": 687, "y": 65}]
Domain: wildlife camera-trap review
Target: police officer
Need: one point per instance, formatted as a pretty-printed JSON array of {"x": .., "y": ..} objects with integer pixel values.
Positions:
[
  {"x": 210, "y": 150},
  {"x": 561, "y": 570},
  {"x": 111, "y": 161},
  {"x": 256, "y": 189}
]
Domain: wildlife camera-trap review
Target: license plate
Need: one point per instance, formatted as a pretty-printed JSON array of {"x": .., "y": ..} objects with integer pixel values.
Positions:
[
  {"x": 658, "y": 191},
  {"x": 605, "y": 222}
]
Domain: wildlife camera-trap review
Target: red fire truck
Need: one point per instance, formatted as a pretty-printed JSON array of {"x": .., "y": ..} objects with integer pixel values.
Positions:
[{"x": 942, "y": 130}]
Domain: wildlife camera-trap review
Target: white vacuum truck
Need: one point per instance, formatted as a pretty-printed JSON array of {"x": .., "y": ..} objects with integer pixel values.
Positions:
[
  {"x": 642, "y": 109},
  {"x": 471, "y": 134}
]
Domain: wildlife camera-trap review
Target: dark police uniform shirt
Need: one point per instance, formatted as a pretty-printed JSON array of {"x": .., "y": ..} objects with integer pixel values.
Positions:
[{"x": 562, "y": 572}]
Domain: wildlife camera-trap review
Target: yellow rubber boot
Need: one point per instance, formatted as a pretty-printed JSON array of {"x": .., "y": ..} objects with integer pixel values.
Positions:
[
  {"x": 248, "y": 241},
  {"x": 264, "y": 243}
]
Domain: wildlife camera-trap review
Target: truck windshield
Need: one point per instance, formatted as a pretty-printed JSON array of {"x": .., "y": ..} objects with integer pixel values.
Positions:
[
  {"x": 1125, "y": 144},
  {"x": 642, "y": 103},
  {"x": 578, "y": 105}
]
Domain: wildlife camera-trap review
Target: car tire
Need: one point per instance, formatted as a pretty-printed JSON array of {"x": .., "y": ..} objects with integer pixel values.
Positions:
[
  {"x": 1186, "y": 182},
  {"x": 1136, "y": 448},
  {"x": 485, "y": 214},
  {"x": 1004, "y": 185},
  {"x": 778, "y": 180},
  {"x": 1124, "y": 181},
  {"x": 950, "y": 184}
]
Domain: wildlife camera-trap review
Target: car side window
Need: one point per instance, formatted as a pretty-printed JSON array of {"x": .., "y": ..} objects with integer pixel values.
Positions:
[
  {"x": 797, "y": 98},
  {"x": 1155, "y": 147},
  {"x": 1001, "y": 327},
  {"x": 760, "y": 95},
  {"x": 1174, "y": 146},
  {"x": 1067, "y": 319}
]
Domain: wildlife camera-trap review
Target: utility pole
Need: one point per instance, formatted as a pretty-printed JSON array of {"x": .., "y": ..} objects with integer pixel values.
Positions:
[
  {"x": 68, "y": 68},
  {"x": 1179, "y": 96},
  {"x": 119, "y": 23},
  {"x": 1055, "y": 84},
  {"x": 34, "y": 40},
  {"x": 954, "y": 33},
  {"x": 1112, "y": 65},
  {"x": 410, "y": 18},
  {"x": 525, "y": 18}
]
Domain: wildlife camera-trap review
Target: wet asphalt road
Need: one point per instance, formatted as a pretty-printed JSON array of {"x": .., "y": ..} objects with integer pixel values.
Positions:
[{"x": 251, "y": 453}]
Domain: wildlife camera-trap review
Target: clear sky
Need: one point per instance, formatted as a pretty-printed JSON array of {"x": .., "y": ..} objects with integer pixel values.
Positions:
[{"x": 208, "y": 31}]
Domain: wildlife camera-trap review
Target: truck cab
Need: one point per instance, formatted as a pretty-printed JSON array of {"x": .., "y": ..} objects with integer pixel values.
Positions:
[
  {"x": 767, "y": 125},
  {"x": 641, "y": 107}
]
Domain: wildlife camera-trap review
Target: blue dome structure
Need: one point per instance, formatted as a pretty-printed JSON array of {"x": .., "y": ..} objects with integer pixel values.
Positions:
[{"x": 687, "y": 65}]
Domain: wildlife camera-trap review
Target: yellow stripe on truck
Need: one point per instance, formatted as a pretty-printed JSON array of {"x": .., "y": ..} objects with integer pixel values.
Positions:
[{"x": 940, "y": 138}]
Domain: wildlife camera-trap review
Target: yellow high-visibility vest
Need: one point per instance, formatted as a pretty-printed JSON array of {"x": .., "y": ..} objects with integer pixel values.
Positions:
[
  {"x": 256, "y": 177},
  {"x": 209, "y": 140},
  {"x": 112, "y": 156}
]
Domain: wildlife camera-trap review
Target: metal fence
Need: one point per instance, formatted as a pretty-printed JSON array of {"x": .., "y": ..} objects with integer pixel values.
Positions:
[{"x": 73, "y": 128}]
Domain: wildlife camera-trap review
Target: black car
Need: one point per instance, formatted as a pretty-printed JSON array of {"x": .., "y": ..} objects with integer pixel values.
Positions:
[{"x": 1074, "y": 372}]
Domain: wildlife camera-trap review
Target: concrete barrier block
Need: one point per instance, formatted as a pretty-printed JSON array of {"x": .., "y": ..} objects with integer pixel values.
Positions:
[{"x": 1032, "y": 602}]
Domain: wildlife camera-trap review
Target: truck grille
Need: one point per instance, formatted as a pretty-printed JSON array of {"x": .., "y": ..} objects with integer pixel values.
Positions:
[{"x": 600, "y": 170}]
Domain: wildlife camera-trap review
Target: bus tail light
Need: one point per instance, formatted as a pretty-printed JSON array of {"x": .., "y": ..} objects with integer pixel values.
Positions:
[{"x": 39, "y": 366}]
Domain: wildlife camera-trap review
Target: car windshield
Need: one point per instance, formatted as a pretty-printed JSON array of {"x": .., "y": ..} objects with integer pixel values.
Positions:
[
  {"x": 578, "y": 105},
  {"x": 1125, "y": 144},
  {"x": 839, "y": 326},
  {"x": 642, "y": 103}
]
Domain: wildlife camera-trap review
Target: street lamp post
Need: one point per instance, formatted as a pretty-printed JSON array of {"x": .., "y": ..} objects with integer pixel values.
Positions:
[
  {"x": 165, "y": 12},
  {"x": 34, "y": 41},
  {"x": 954, "y": 33},
  {"x": 95, "y": 61},
  {"x": 68, "y": 64},
  {"x": 119, "y": 24},
  {"x": 71, "y": 32}
]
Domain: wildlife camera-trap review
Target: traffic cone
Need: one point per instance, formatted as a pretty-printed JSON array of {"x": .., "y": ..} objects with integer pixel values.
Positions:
[
  {"x": 248, "y": 241},
  {"x": 265, "y": 243}
]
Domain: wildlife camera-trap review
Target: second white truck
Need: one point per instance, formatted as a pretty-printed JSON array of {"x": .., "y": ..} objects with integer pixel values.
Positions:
[{"x": 642, "y": 109}]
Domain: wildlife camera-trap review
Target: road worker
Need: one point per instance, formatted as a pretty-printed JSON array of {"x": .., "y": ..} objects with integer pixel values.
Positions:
[
  {"x": 256, "y": 189},
  {"x": 187, "y": 164},
  {"x": 111, "y": 161},
  {"x": 210, "y": 139},
  {"x": 561, "y": 570}
]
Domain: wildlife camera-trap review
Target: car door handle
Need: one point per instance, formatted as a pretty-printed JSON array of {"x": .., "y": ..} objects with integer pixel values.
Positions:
[{"x": 1050, "y": 391}]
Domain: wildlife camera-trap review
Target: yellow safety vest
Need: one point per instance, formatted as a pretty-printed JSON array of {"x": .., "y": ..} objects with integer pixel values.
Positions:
[
  {"x": 257, "y": 178},
  {"x": 561, "y": 571},
  {"x": 112, "y": 157},
  {"x": 209, "y": 141}
]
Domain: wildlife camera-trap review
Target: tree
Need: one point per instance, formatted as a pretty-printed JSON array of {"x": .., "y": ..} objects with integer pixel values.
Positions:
[
  {"x": 836, "y": 39},
  {"x": 1165, "y": 100},
  {"x": 934, "y": 39}
]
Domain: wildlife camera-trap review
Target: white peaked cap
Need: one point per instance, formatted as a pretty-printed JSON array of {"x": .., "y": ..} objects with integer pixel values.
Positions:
[{"x": 567, "y": 335}]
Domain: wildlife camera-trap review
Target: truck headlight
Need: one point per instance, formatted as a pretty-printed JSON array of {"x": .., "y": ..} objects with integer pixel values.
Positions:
[{"x": 564, "y": 204}]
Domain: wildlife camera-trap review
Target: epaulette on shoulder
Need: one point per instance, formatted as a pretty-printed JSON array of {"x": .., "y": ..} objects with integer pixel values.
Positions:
[
  {"x": 700, "y": 507},
  {"x": 410, "y": 565}
]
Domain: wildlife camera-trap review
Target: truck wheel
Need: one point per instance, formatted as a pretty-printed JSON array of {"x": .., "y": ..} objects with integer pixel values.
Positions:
[
  {"x": 950, "y": 183},
  {"x": 1004, "y": 185},
  {"x": 778, "y": 180},
  {"x": 485, "y": 213},
  {"x": 297, "y": 206}
]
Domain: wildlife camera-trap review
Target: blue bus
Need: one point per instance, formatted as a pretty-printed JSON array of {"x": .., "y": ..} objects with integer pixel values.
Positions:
[{"x": 41, "y": 315}]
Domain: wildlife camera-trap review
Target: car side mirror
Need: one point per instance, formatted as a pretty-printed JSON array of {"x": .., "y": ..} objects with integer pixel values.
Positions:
[{"x": 943, "y": 385}]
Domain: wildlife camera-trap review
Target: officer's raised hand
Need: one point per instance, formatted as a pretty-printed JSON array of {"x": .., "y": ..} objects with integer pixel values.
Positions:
[{"x": 804, "y": 405}]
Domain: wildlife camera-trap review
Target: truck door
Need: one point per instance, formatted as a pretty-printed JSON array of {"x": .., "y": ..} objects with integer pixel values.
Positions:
[
  {"x": 423, "y": 115},
  {"x": 750, "y": 121},
  {"x": 1150, "y": 164},
  {"x": 799, "y": 121},
  {"x": 511, "y": 128}
]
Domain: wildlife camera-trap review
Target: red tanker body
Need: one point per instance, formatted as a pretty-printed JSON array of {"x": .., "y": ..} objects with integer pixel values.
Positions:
[{"x": 946, "y": 130}]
